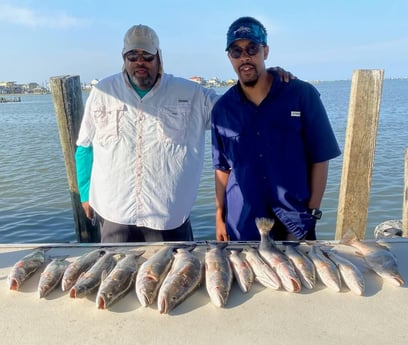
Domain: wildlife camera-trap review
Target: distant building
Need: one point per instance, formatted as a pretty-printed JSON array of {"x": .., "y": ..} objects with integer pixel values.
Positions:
[
  {"x": 11, "y": 87},
  {"x": 198, "y": 80}
]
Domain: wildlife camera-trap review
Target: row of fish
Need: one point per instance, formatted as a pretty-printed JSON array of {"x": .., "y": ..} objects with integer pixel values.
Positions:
[{"x": 174, "y": 272}]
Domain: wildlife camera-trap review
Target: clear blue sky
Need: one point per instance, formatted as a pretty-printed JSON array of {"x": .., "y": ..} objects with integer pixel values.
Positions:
[{"x": 316, "y": 40}]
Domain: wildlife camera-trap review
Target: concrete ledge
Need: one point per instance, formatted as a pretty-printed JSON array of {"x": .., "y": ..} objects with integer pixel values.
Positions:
[{"x": 263, "y": 316}]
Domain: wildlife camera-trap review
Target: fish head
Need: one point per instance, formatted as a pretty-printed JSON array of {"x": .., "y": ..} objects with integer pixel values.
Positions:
[
  {"x": 145, "y": 296},
  {"x": 78, "y": 291},
  {"x": 43, "y": 290},
  {"x": 166, "y": 302},
  {"x": 218, "y": 298},
  {"x": 14, "y": 284},
  {"x": 104, "y": 300}
]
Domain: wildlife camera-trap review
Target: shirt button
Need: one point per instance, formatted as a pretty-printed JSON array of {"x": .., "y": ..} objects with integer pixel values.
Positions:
[{"x": 260, "y": 155}]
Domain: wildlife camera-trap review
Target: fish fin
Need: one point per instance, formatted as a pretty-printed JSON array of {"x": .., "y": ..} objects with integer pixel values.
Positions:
[
  {"x": 80, "y": 276},
  {"x": 104, "y": 275}
]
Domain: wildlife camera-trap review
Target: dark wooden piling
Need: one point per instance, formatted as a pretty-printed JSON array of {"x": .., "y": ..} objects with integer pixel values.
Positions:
[
  {"x": 358, "y": 156},
  {"x": 405, "y": 198},
  {"x": 68, "y": 104}
]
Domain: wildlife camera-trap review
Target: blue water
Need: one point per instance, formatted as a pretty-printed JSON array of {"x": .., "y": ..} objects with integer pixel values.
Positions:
[{"x": 35, "y": 205}]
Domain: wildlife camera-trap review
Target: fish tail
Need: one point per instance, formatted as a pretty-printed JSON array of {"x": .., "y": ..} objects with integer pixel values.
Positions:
[
  {"x": 264, "y": 225},
  {"x": 349, "y": 237}
]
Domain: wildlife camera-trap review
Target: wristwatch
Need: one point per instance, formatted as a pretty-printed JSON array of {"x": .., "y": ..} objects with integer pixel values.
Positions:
[{"x": 315, "y": 212}]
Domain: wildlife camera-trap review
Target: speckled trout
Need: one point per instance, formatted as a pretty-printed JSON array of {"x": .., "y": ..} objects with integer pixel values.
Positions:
[
  {"x": 351, "y": 275},
  {"x": 326, "y": 270},
  {"x": 378, "y": 257},
  {"x": 243, "y": 273},
  {"x": 303, "y": 266},
  {"x": 218, "y": 274},
  {"x": 51, "y": 276},
  {"x": 264, "y": 273},
  {"x": 276, "y": 258},
  {"x": 90, "y": 280},
  {"x": 76, "y": 267},
  {"x": 119, "y": 281},
  {"x": 183, "y": 278},
  {"x": 25, "y": 268},
  {"x": 151, "y": 275}
]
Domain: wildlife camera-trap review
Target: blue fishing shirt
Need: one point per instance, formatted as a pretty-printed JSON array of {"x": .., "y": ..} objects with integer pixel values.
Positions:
[{"x": 269, "y": 150}]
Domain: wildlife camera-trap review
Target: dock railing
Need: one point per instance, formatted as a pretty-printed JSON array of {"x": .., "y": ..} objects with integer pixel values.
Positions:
[{"x": 68, "y": 104}]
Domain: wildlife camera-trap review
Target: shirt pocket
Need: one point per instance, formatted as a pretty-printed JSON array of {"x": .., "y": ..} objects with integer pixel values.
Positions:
[
  {"x": 172, "y": 123},
  {"x": 107, "y": 122}
]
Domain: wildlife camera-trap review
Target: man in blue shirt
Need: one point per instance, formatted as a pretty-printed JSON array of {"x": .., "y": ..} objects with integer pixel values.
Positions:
[{"x": 271, "y": 145}]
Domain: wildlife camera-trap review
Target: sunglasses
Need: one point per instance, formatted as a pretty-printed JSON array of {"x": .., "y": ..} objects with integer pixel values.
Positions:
[
  {"x": 236, "y": 51},
  {"x": 134, "y": 56}
]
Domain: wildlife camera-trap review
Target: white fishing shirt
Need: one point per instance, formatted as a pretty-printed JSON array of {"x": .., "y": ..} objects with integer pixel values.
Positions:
[{"x": 147, "y": 152}]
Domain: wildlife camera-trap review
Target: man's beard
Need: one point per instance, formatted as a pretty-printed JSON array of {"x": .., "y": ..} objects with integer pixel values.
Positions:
[
  {"x": 143, "y": 82},
  {"x": 250, "y": 82}
]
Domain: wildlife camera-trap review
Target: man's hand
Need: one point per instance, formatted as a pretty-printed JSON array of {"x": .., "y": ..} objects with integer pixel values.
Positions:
[
  {"x": 221, "y": 231},
  {"x": 284, "y": 75},
  {"x": 88, "y": 210}
]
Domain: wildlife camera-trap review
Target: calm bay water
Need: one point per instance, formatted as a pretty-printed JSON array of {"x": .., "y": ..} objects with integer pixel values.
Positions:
[{"x": 35, "y": 205}]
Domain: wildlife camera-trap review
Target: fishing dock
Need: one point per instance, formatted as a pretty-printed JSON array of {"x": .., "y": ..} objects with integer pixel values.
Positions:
[
  {"x": 262, "y": 316},
  {"x": 10, "y": 99}
]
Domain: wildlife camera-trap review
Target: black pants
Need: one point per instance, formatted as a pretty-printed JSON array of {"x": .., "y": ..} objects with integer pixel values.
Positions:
[{"x": 116, "y": 233}]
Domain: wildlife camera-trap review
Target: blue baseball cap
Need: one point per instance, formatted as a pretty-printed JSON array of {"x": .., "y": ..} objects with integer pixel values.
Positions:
[{"x": 246, "y": 28}]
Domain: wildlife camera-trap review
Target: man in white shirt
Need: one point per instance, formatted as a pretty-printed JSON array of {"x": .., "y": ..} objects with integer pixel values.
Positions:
[{"x": 141, "y": 147}]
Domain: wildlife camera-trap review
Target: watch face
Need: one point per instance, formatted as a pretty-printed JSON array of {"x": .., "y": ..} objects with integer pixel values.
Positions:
[{"x": 316, "y": 213}]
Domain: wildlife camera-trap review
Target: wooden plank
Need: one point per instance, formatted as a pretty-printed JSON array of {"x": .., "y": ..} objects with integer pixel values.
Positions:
[
  {"x": 68, "y": 104},
  {"x": 358, "y": 161},
  {"x": 405, "y": 199}
]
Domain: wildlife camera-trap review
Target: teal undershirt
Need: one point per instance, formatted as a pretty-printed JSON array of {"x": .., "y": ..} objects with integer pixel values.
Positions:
[{"x": 84, "y": 160}]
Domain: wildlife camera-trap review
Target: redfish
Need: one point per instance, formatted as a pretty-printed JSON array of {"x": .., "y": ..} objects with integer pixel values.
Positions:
[
  {"x": 119, "y": 281},
  {"x": 151, "y": 275},
  {"x": 184, "y": 277},
  {"x": 378, "y": 257},
  {"x": 276, "y": 258},
  {"x": 243, "y": 273},
  {"x": 326, "y": 270},
  {"x": 25, "y": 268},
  {"x": 218, "y": 274},
  {"x": 264, "y": 274},
  {"x": 51, "y": 276}
]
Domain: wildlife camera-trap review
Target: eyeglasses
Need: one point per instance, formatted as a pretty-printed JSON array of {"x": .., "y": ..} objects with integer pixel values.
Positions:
[
  {"x": 134, "y": 56},
  {"x": 251, "y": 50}
]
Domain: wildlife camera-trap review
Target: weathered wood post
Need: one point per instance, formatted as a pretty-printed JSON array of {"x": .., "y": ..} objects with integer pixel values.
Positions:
[
  {"x": 358, "y": 161},
  {"x": 68, "y": 104},
  {"x": 405, "y": 199}
]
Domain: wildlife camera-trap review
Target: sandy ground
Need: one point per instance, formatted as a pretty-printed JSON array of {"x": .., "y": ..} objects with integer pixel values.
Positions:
[{"x": 263, "y": 316}]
